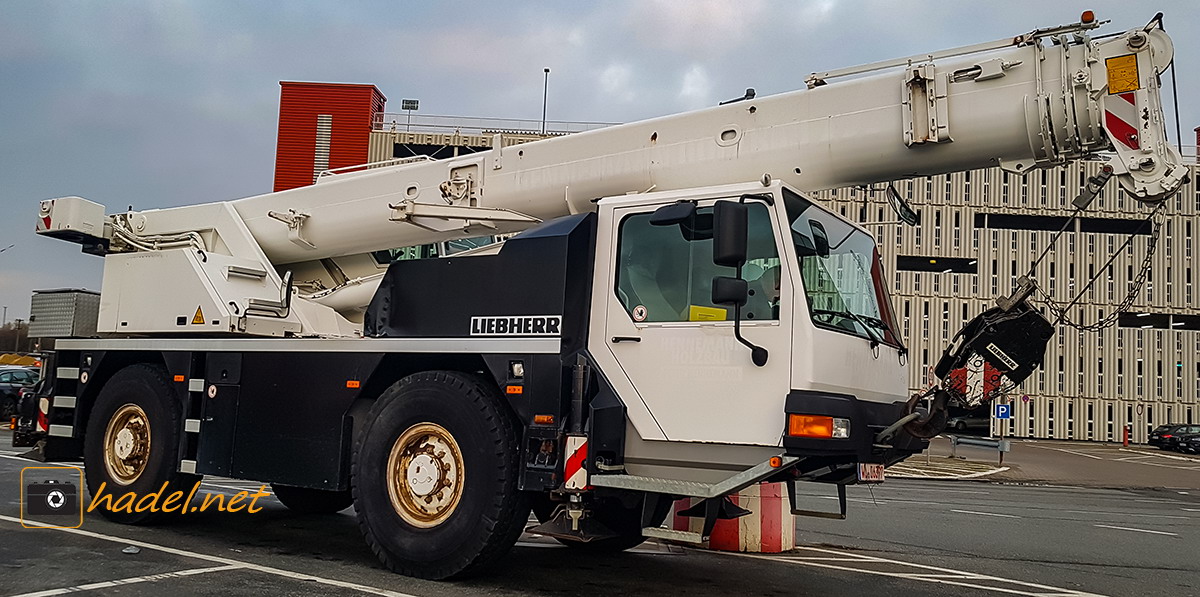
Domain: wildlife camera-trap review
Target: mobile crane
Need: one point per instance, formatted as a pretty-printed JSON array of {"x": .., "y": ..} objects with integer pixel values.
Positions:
[{"x": 674, "y": 318}]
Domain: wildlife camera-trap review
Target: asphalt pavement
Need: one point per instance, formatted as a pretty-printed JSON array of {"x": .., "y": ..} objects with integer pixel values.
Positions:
[
  {"x": 905, "y": 537},
  {"x": 1049, "y": 462}
]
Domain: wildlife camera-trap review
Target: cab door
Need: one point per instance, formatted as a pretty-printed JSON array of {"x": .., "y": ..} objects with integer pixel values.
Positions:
[{"x": 676, "y": 348}]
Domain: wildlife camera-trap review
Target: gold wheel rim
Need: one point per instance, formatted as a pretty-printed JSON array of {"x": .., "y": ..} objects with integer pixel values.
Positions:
[
  {"x": 127, "y": 444},
  {"x": 425, "y": 475}
]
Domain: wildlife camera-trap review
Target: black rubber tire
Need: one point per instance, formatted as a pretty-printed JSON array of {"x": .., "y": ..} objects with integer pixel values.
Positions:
[
  {"x": 147, "y": 386},
  {"x": 491, "y": 512},
  {"x": 8, "y": 407},
  {"x": 626, "y": 520},
  {"x": 305, "y": 500},
  {"x": 960, "y": 426}
]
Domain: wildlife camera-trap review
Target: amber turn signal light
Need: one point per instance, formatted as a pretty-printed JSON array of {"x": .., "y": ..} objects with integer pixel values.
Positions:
[{"x": 810, "y": 426}]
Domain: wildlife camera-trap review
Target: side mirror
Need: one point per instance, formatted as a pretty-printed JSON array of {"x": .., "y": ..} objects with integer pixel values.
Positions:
[
  {"x": 820, "y": 238},
  {"x": 729, "y": 291},
  {"x": 729, "y": 233},
  {"x": 900, "y": 206}
]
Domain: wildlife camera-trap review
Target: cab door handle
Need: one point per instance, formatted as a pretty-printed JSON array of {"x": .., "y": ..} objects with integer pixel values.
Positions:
[{"x": 617, "y": 339}]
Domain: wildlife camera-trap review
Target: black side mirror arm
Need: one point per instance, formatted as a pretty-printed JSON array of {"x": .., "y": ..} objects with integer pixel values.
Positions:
[{"x": 758, "y": 354}]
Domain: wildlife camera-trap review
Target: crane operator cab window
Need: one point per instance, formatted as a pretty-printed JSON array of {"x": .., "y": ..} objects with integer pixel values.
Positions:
[
  {"x": 842, "y": 274},
  {"x": 664, "y": 273}
]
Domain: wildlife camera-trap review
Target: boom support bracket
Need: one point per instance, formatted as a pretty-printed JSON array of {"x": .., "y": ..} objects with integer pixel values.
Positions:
[{"x": 409, "y": 211}]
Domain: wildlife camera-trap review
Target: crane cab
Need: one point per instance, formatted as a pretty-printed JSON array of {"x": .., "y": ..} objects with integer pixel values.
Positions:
[{"x": 816, "y": 301}]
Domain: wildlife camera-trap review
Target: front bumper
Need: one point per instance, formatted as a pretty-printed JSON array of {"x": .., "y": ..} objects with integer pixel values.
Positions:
[{"x": 867, "y": 419}]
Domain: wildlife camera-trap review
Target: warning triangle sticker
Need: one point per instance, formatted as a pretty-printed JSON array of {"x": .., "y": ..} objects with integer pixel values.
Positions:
[{"x": 198, "y": 318}]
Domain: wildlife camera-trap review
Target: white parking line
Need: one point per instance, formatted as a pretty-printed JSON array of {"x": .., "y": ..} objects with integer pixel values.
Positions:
[
  {"x": 985, "y": 513},
  {"x": 1105, "y": 526},
  {"x": 937, "y": 490},
  {"x": 127, "y": 581},
  {"x": 219, "y": 560},
  {"x": 1071, "y": 452},
  {"x": 931, "y": 574},
  {"x": 1093, "y": 512}
]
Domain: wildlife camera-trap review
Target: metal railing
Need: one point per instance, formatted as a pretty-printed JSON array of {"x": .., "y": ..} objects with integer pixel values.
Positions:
[
  {"x": 999, "y": 445},
  {"x": 1190, "y": 153},
  {"x": 470, "y": 125},
  {"x": 370, "y": 165}
]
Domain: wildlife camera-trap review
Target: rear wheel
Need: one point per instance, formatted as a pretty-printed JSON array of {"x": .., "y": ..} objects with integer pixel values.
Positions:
[
  {"x": 434, "y": 476},
  {"x": 132, "y": 443},
  {"x": 312, "y": 501}
]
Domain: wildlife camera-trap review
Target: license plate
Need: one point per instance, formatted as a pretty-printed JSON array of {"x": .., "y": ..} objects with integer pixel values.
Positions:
[{"x": 870, "y": 473}]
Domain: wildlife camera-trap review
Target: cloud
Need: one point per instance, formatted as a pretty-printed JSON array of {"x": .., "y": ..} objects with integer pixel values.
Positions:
[
  {"x": 695, "y": 28},
  {"x": 615, "y": 81},
  {"x": 696, "y": 89}
]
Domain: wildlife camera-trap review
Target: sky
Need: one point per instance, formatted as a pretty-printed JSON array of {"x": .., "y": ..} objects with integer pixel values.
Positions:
[{"x": 158, "y": 104}]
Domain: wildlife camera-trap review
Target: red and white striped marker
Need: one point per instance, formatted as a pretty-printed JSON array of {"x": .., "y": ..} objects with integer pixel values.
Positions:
[
  {"x": 770, "y": 528},
  {"x": 43, "y": 419},
  {"x": 978, "y": 380},
  {"x": 1121, "y": 117},
  {"x": 574, "y": 471}
]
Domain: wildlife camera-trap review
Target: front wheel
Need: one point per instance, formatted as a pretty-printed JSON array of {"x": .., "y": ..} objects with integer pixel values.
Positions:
[
  {"x": 132, "y": 443},
  {"x": 434, "y": 476}
]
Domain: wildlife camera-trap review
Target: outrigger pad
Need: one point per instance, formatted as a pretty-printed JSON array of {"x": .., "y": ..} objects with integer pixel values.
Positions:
[{"x": 995, "y": 346}]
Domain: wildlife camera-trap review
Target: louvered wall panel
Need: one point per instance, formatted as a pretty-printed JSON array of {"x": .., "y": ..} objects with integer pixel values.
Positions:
[
  {"x": 350, "y": 109},
  {"x": 1089, "y": 388}
]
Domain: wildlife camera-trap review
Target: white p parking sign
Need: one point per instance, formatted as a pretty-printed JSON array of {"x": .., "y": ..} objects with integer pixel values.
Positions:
[{"x": 1003, "y": 411}]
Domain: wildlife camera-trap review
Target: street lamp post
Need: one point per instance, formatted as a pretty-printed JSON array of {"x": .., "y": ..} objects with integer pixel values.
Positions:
[{"x": 545, "y": 88}]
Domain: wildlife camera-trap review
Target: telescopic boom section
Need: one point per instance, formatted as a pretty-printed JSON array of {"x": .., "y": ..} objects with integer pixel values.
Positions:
[
  {"x": 1040, "y": 99},
  {"x": 1038, "y": 104}
]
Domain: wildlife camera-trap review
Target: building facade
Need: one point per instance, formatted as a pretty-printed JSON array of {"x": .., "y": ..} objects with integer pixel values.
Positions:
[{"x": 982, "y": 229}]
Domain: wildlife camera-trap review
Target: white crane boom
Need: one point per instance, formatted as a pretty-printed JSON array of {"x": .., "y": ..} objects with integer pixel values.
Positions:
[{"x": 1046, "y": 98}]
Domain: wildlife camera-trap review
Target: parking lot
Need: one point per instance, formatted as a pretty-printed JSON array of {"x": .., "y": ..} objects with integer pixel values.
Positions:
[{"x": 904, "y": 537}]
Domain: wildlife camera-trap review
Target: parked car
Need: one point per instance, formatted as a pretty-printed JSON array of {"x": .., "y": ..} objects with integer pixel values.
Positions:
[
  {"x": 27, "y": 431},
  {"x": 1190, "y": 444},
  {"x": 1172, "y": 442},
  {"x": 1162, "y": 433},
  {"x": 12, "y": 380},
  {"x": 969, "y": 422}
]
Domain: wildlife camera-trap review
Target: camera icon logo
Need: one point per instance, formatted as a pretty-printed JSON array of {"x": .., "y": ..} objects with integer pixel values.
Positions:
[{"x": 50, "y": 497}]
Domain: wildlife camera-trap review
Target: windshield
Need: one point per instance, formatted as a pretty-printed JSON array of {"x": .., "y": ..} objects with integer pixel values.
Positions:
[{"x": 841, "y": 271}]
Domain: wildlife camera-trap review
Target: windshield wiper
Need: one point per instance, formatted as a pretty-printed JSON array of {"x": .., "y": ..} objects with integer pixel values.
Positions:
[{"x": 867, "y": 322}]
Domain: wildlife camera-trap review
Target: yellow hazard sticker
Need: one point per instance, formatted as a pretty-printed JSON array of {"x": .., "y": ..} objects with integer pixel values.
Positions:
[
  {"x": 1122, "y": 74},
  {"x": 198, "y": 318},
  {"x": 701, "y": 313}
]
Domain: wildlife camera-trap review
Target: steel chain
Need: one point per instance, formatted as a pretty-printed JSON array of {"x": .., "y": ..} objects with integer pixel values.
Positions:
[{"x": 1135, "y": 287}]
